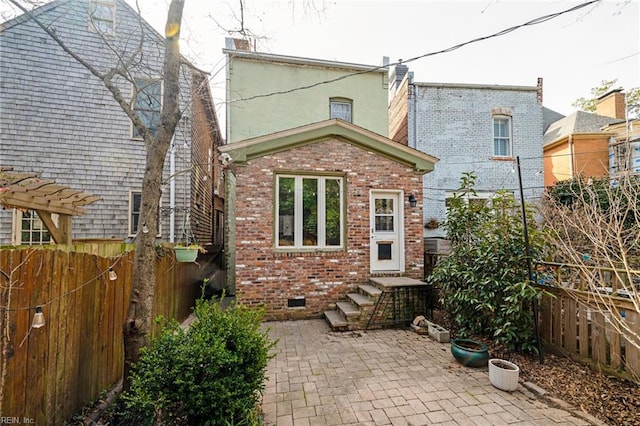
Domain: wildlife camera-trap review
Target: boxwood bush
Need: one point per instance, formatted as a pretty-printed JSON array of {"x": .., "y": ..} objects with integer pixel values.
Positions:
[{"x": 211, "y": 374}]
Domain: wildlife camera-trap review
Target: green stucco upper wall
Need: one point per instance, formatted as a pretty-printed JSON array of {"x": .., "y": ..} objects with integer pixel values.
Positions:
[{"x": 263, "y": 115}]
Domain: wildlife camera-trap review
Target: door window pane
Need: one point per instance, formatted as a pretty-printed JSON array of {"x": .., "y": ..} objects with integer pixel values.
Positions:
[{"x": 384, "y": 217}]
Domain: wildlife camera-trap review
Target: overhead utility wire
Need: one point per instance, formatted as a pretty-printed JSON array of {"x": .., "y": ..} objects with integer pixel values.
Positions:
[{"x": 532, "y": 22}]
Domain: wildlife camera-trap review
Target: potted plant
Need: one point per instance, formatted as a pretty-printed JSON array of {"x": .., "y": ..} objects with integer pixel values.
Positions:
[
  {"x": 503, "y": 374},
  {"x": 187, "y": 252},
  {"x": 469, "y": 352}
]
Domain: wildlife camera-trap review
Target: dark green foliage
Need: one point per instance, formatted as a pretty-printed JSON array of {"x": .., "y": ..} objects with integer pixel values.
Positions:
[
  {"x": 211, "y": 374},
  {"x": 484, "y": 283}
]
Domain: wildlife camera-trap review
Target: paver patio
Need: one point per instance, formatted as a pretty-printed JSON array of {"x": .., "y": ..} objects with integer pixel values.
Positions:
[{"x": 388, "y": 377}]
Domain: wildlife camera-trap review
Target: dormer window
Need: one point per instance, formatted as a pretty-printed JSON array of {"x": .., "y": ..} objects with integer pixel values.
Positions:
[
  {"x": 341, "y": 108},
  {"x": 102, "y": 17}
]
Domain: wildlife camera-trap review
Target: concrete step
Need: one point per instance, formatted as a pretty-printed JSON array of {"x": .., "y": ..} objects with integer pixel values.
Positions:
[
  {"x": 349, "y": 310},
  {"x": 371, "y": 291},
  {"x": 360, "y": 299},
  {"x": 336, "y": 321}
]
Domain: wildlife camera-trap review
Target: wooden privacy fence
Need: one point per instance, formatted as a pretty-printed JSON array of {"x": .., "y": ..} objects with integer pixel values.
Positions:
[
  {"x": 603, "y": 330},
  {"x": 49, "y": 373}
]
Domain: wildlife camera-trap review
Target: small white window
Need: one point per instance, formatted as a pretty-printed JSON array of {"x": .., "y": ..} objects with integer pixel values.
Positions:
[
  {"x": 102, "y": 17},
  {"x": 29, "y": 229},
  {"x": 147, "y": 102},
  {"x": 341, "y": 108},
  {"x": 502, "y": 136}
]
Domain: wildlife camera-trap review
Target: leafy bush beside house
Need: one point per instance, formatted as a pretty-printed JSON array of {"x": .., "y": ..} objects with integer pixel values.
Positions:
[
  {"x": 484, "y": 283},
  {"x": 211, "y": 374}
]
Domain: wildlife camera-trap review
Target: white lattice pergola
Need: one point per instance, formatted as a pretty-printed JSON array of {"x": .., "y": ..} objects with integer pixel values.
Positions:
[{"x": 29, "y": 192}]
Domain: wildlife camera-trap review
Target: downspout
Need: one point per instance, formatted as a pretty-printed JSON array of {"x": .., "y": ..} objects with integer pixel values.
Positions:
[
  {"x": 412, "y": 115},
  {"x": 571, "y": 156},
  {"x": 172, "y": 192}
]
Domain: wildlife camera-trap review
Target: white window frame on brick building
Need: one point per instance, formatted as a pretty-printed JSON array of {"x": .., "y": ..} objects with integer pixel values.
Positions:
[
  {"x": 295, "y": 221},
  {"x": 102, "y": 17},
  {"x": 341, "y": 108},
  {"x": 147, "y": 103},
  {"x": 502, "y": 131}
]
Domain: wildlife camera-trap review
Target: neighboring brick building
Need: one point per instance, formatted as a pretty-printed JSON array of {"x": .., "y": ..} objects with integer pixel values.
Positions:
[
  {"x": 59, "y": 121},
  {"x": 296, "y": 267},
  {"x": 471, "y": 128}
]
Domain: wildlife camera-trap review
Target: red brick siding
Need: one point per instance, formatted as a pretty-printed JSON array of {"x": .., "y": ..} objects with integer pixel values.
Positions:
[{"x": 266, "y": 277}]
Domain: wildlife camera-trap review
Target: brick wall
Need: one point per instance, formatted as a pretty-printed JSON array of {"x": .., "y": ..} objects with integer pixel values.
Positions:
[
  {"x": 455, "y": 124},
  {"x": 264, "y": 276}
]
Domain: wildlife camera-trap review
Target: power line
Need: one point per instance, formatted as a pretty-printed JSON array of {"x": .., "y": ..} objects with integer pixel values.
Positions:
[{"x": 532, "y": 22}]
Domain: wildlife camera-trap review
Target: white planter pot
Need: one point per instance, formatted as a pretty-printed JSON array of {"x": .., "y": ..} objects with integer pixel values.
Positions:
[{"x": 503, "y": 374}]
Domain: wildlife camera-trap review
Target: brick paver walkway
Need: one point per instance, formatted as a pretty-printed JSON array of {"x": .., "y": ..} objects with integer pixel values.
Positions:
[{"x": 388, "y": 377}]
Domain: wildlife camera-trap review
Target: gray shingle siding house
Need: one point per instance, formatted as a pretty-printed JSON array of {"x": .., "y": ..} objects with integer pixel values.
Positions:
[
  {"x": 471, "y": 128},
  {"x": 59, "y": 121}
]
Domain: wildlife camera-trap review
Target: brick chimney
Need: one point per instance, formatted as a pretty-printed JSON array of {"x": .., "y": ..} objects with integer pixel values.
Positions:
[
  {"x": 612, "y": 104},
  {"x": 238, "y": 44},
  {"x": 539, "y": 91}
]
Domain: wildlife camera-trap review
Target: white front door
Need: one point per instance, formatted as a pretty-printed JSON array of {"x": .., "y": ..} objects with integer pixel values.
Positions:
[{"x": 387, "y": 244}]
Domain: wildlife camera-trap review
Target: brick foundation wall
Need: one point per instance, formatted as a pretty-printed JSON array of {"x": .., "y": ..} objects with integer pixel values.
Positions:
[{"x": 270, "y": 278}]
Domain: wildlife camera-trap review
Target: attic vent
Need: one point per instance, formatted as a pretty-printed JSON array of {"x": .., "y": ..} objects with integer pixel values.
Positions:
[{"x": 297, "y": 302}]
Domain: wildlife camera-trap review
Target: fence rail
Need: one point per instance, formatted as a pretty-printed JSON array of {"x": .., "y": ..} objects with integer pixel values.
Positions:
[{"x": 48, "y": 373}]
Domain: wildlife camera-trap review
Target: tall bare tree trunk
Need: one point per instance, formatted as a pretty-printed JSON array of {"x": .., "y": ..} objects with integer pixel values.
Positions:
[{"x": 138, "y": 323}]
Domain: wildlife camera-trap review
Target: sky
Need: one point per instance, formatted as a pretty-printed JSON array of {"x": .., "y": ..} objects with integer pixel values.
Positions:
[{"x": 572, "y": 53}]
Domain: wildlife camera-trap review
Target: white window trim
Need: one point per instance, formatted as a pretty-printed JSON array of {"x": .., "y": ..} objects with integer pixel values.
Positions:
[
  {"x": 129, "y": 211},
  {"x": 16, "y": 231},
  {"x": 134, "y": 92},
  {"x": 106, "y": 3},
  {"x": 341, "y": 101},
  {"x": 508, "y": 118},
  {"x": 298, "y": 237}
]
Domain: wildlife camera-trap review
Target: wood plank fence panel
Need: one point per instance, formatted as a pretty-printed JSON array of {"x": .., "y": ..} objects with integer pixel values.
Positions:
[
  {"x": 632, "y": 352},
  {"x": 79, "y": 352},
  {"x": 583, "y": 321},
  {"x": 570, "y": 329},
  {"x": 598, "y": 341}
]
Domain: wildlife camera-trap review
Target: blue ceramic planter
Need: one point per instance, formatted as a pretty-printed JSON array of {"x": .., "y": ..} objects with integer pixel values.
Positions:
[{"x": 469, "y": 352}]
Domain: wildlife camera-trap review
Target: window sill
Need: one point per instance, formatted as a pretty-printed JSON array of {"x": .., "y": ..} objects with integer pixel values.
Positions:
[
  {"x": 297, "y": 252},
  {"x": 495, "y": 158}
]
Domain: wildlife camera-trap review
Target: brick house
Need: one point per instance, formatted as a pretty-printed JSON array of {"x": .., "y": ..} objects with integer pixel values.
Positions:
[
  {"x": 318, "y": 210},
  {"x": 58, "y": 121},
  {"x": 471, "y": 128}
]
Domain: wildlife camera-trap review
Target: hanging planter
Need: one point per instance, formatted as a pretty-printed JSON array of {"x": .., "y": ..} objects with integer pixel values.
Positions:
[
  {"x": 503, "y": 374},
  {"x": 186, "y": 254},
  {"x": 469, "y": 352}
]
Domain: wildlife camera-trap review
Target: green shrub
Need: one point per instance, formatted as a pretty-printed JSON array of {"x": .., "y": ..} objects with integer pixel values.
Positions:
[
  {"x": 211, "y": 374},
  {"x": 484, "y": 283}
]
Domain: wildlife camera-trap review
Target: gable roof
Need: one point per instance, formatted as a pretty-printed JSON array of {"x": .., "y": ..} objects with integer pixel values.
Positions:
[
  {"x": 578, "y": 122},
  {"x": 243, "y": 151}
]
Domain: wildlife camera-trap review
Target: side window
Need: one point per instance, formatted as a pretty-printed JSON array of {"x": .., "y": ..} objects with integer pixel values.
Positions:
[
  {"x": 502, "y": 136},
  {"x": 147, "y": 103},
  {"x": 102, "y": 17},
  {"x": 135, "y": 197},
  {"x": 341, "y": 108},
  {"x": 29, "y": 229}
]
